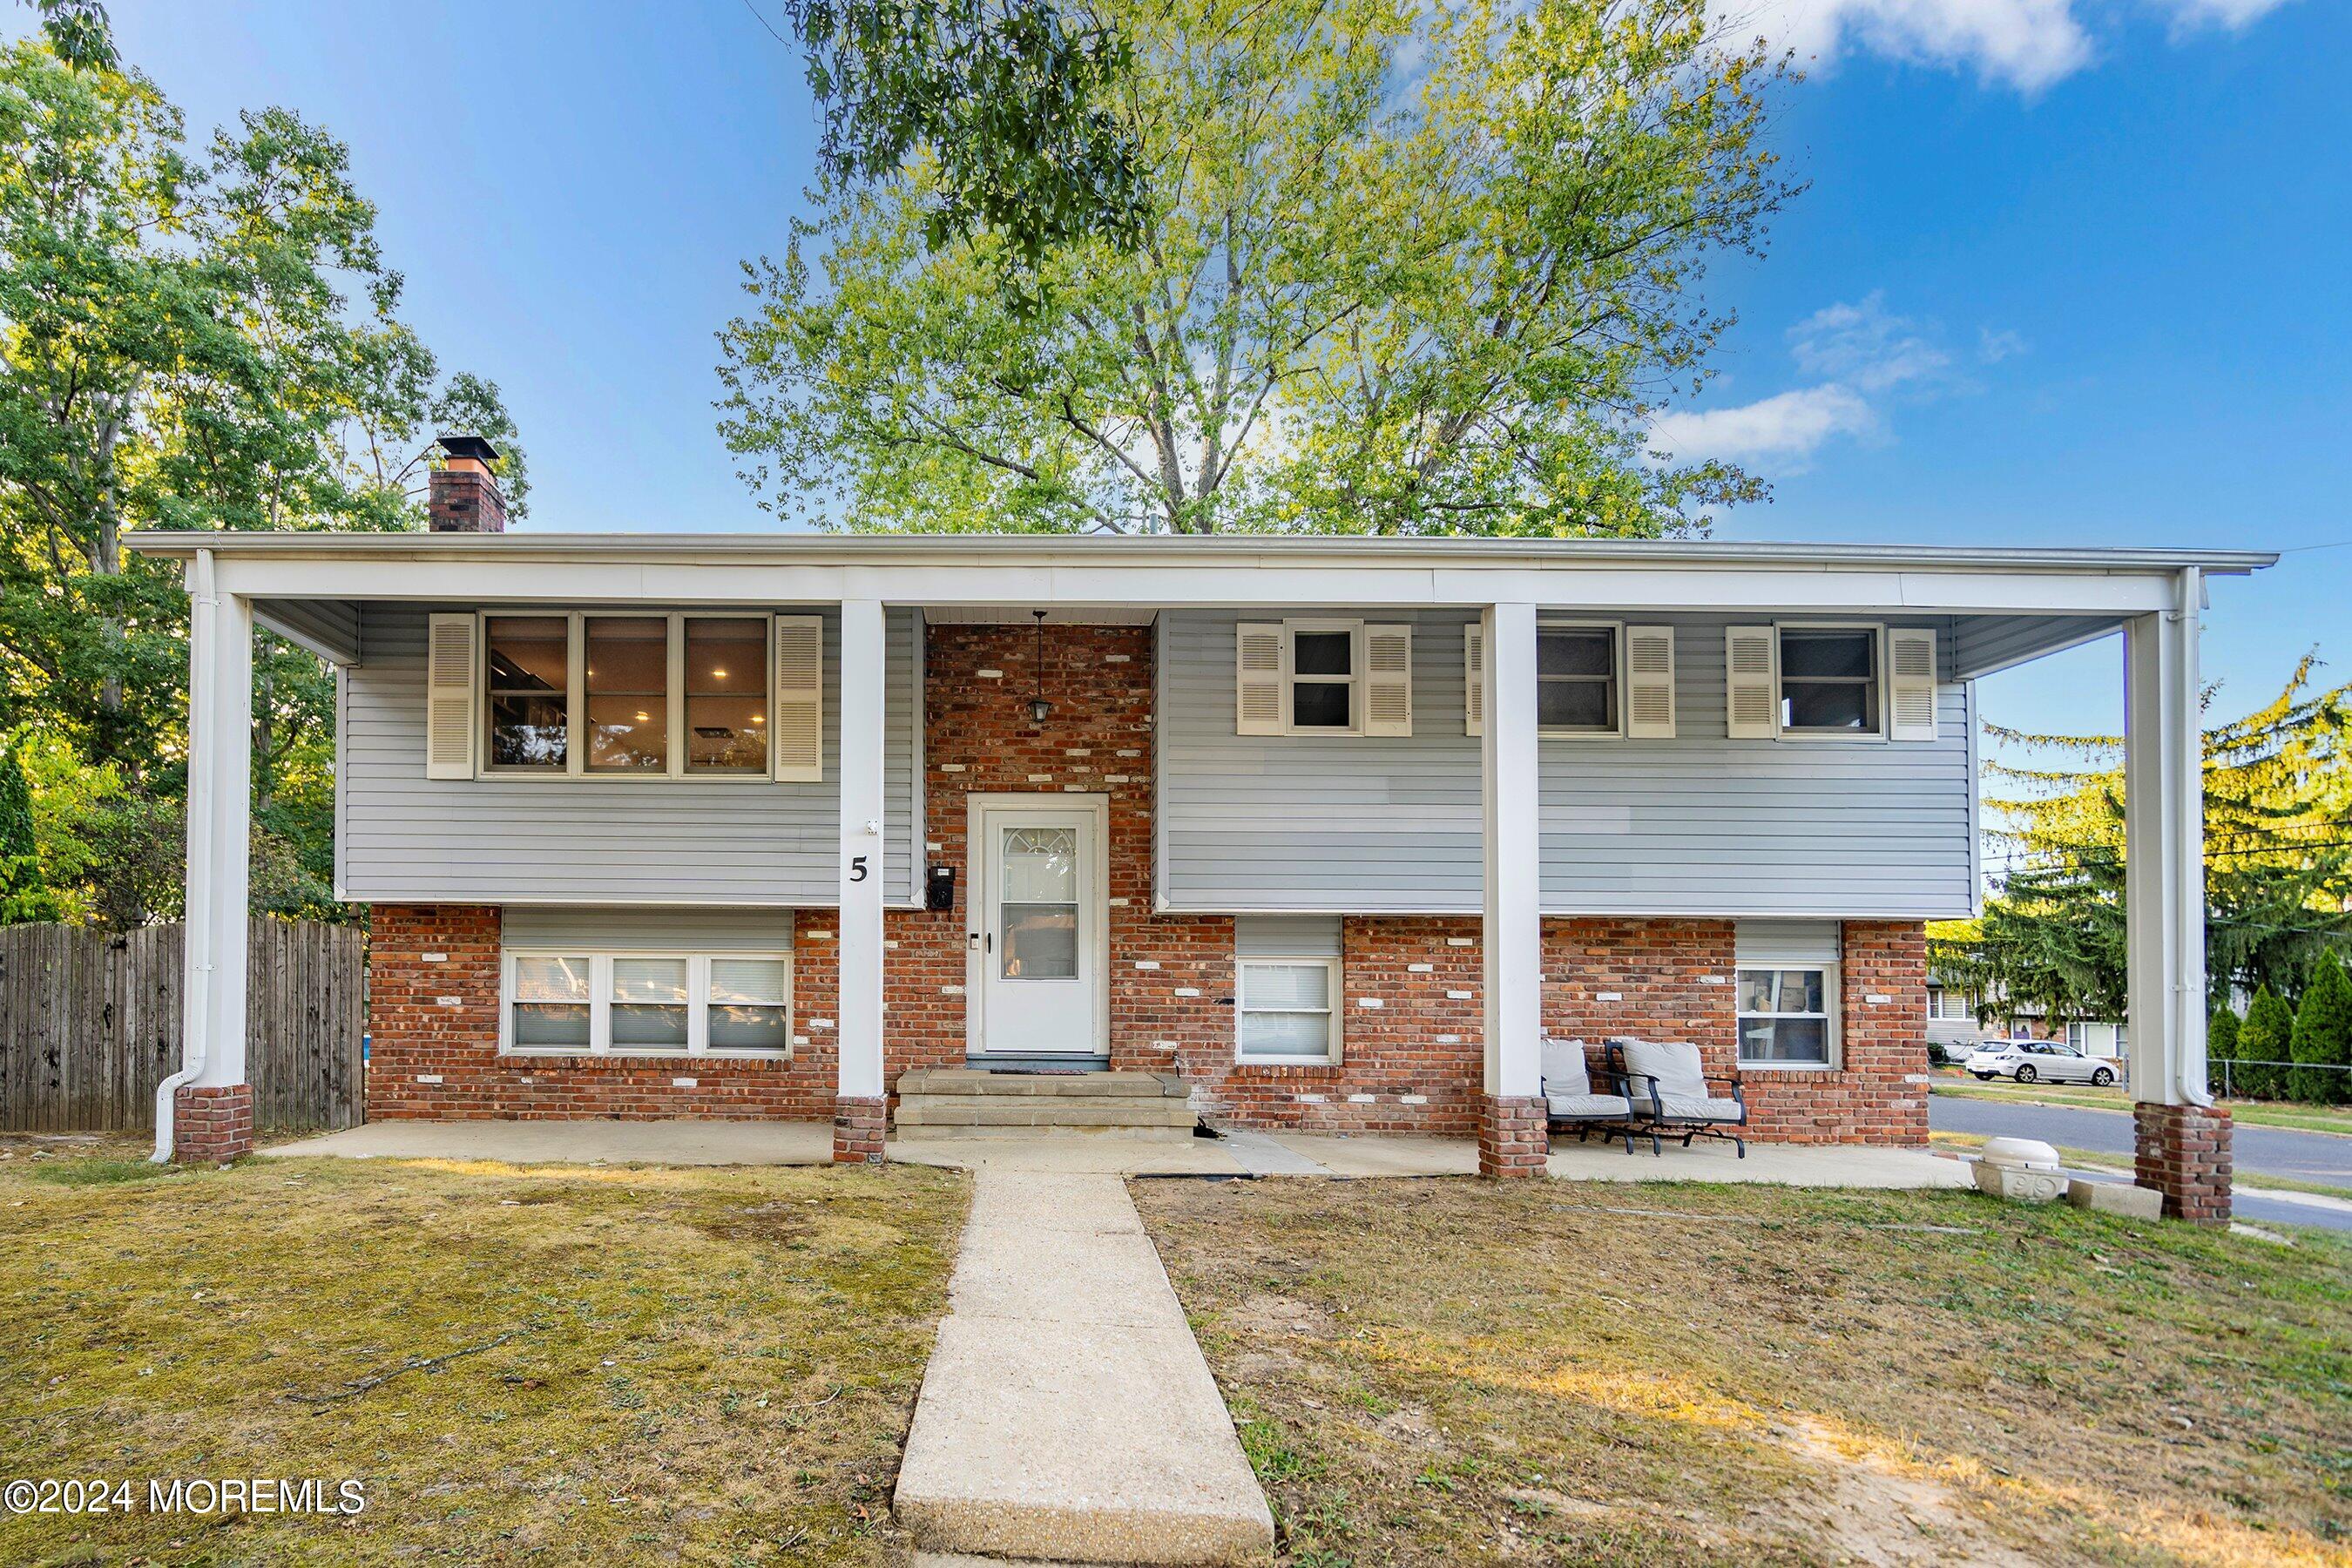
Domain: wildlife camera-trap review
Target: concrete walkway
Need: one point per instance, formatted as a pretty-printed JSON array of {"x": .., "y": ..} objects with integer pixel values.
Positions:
[
  {"x": 605, "y": 1142},
  {"x": 1067, "y": 1412}
]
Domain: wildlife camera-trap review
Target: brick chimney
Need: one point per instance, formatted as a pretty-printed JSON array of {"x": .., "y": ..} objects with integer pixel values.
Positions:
[{"x": 465, "y": 497}]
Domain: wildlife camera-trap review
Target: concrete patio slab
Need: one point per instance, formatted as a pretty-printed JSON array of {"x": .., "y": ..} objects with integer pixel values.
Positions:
[
  {"x": 607, "y": 1143},
  {"x": 1066, "y": 1413},
  {"x": 1383, "y": 1155},
  {"x": 1372, "y": 1154}
]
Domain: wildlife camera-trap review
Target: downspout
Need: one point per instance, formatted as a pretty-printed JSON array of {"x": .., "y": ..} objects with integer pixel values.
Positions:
[
  {"x": 196, "y": 1005},
  {"x": 2194, "y": 1086}
]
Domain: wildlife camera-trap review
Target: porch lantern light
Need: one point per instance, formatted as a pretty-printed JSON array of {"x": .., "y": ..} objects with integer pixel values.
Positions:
[{"x": 1039, "y": 709}]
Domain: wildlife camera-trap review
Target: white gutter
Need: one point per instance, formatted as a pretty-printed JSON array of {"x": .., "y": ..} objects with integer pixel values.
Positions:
[{"x": 195, "y": 1003}]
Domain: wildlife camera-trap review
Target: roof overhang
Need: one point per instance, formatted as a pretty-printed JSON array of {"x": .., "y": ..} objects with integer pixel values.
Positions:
[{"x": 1059, "y": 571}]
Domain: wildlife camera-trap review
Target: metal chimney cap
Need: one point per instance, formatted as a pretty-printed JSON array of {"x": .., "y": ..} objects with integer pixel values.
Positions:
[{"x": 473, "y": 447}]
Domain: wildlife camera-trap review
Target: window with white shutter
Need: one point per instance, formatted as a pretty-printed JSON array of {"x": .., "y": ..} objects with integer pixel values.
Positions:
[
  {"x": 1388, "y": 680},
  {"x": 799, "y": 722},
  {"x": 1752, "y": 697},
  {"x": 1474, "y": 685},
  {"x": 1258, "y": 678},
  {"x": 1650, "y": 683},
  {"x": 1911, "y": 683},
  {"x": 449, "y": 697}
]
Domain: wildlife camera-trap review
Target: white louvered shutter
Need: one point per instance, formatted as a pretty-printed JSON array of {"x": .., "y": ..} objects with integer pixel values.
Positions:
[
  {"x": 798, "y": 721},
  {"x": 1911, "y": 685},
  {"x": 1650, "y": 683},
  {"x": 1388, "y": 680},
  {"x": 1752, "y": 698},
  {"x": 449, "y": 666},
  {"x": 1473, "y": 682},
  {"x": 1257, "y": 677}
]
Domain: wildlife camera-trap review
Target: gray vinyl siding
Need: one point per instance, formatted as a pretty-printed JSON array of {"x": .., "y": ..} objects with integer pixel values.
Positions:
[
  {"x": 605, "y": 929},
  {"x": 1700, "y": 825},
  {"x": 408, "y": 838}
]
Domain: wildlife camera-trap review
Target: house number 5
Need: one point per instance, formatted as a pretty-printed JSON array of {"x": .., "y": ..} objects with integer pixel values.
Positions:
[{"x": 857, "y": 869}]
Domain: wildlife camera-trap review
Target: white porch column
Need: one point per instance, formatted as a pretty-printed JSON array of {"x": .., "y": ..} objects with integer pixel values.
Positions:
[
  {"x": 1511, "y": 1128},
  {"x": 861, "y": 1109},
  {"x": 2184, "y": 1140},
  {"x": 204, "y": 1110}
]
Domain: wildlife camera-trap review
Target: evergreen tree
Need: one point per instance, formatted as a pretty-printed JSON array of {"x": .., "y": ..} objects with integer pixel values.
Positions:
[
  {"x": 2267, "y": 1035},
  {"x": 2323, "y": 1038},
  {"x": 2222, "y": 1045},
  {"x": 23, "y": 894}
]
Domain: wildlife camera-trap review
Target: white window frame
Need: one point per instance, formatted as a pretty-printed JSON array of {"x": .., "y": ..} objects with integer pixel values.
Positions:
[
  {"x": 1616, "y": 679},
  {"x": 575, "y": 697},
  {"x": 1330, "y": 965},
  {"x": 1942, "y": 998},
  {"x": 1353, "y": 681},
  {"x": 1833, "y": 1006},
  {"x": 599, "y": 1005},
  {"x": 1879, "y": 655}
]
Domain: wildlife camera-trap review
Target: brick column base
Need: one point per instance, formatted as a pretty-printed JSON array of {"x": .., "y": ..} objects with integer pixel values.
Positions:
[
  {"x": 212, "y": 1126},
  {"x": 858, "y": 1125},
  {"x": 2184, "y": 1153},
  {"x": 1514, "y": 1137}
]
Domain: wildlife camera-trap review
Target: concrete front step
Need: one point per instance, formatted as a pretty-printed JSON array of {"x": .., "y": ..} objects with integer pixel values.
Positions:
[
  {"x": 934, "y": 1131},
  {"x": 973, "y": 1110},
  {"x": 979, "y": 1082}
]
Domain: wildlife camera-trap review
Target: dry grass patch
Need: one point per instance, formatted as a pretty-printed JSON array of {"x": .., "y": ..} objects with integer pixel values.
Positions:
[
  {"x": 523, "y": 1365},
  {"x": 1448, "y": 1371}
]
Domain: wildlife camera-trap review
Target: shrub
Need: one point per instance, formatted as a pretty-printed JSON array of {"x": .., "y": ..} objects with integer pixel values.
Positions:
[
  {"x": 2266, "y": 1035},
  {"x": 2222, "y": 1045},
  {"x": 2323, "y": 1037}
]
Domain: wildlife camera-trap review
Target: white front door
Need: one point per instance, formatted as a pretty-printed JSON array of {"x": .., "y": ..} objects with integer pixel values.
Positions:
[{"x": 1039, "y": 917}]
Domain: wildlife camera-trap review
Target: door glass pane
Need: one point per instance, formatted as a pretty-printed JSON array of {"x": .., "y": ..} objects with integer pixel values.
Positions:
[
  {"x": 528, "y": 667},
  {"x": 628, "y": 693},
  {"x": 1039, "y": 908},
  {"x": 726, "y": 695},
  {"x": 649, "y": 1003}
]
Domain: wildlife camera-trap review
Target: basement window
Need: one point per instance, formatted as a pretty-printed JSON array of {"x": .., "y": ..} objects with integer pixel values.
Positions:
[
  {"x": 647, "y": 1004},
  {"x": 1286, "y": 982}
]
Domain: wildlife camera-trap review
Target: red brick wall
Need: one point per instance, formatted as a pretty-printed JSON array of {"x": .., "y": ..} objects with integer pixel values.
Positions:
[{"x": 440, "y": 1020}]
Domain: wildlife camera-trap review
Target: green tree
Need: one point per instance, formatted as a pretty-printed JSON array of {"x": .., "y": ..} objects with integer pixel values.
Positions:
[
  {"x": 2222, "y": 1045},
  {"x": 2267, "y": 1035},
  {"x": 188, "y": 339},
  {"x": 1409, "y": 268},
  {"x": 2323, "y": 1038},
  {"x": 24, "y": 894},
  {"x": 2278, "y": 862}
]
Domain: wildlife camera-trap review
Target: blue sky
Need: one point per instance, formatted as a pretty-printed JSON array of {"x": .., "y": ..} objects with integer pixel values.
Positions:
[{"x": 2068, "y": 272}]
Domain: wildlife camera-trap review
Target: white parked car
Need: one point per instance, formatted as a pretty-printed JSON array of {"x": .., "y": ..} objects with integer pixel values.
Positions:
[{"x": 2030, "y": 1061}]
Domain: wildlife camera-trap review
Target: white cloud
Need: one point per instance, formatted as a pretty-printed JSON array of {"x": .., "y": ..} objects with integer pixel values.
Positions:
[
  {"x": 1863, "y": 346},
  {"x": 2236, "y": 15},
  {"x": 1994, "y": 346},
  {"x": 1790, "y": 426},
  {"x": 2028, "y": 44}
]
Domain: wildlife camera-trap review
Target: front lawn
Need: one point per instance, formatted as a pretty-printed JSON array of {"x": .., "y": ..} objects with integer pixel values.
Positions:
[
  {"x": 1446, "y": 1370},
  {"x": 520, "y": 1364}
]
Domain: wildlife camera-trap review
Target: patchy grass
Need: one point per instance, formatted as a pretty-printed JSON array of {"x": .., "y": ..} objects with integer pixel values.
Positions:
[
  {"x": 541, "y": 1364},
  {"x": 1446, "y": 1370},
  {"x": 2246, "y": 1112}
]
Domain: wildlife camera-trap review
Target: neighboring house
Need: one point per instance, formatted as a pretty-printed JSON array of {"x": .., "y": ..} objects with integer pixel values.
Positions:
[
  {"x": 1952, "y": 1023},
  {"x": 1327, "y": 828}
]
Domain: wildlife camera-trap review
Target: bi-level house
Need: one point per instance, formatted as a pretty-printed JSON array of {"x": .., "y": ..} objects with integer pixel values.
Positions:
[{"x": 1331, "y": 829}]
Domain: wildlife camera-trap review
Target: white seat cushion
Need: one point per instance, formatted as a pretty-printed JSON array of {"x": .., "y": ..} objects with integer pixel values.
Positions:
[
  {"x": 1673, "y": 1063},
  {"x": 1564, "y": 1069},
  {"x": 1587, "y": 1107},
  {"x": 1703, "y": 1107}
]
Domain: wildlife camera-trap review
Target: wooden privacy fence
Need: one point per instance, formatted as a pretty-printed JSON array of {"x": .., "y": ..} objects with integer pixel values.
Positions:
[{"x": 89, "y": 1024}]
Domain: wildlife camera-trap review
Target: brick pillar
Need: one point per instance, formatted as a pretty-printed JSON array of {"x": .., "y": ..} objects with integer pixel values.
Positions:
[
  {"x": 858, "y": 1125},
  {"x": 2184, "y": 1153},
  {"x": 1514, "y": 1138},
  {"x": 212, "y": 1126}
]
